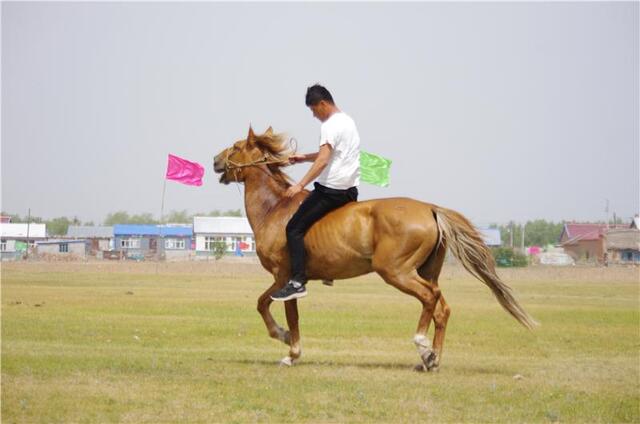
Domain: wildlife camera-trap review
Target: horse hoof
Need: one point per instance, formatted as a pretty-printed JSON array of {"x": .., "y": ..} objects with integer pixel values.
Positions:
[
  {"x": 431, "y": 363},
  {"x": 420, "y": 368},
  {"x": 327, "y": 282},
  {"x": 287, "y": 361}
]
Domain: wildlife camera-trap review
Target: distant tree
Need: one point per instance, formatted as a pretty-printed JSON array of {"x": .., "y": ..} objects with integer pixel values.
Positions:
[
  {"x": 143, "y": 218},
  {"x": 233, "y": 212},
  {"x": 542, "y": 233},
  {"x": 16, "y": 219},
  {"x": 122, "y": 217},
  {"x": 14, "y": 216},
  {"x": 536, "y": 233},
  {"x": 230, "y": 212},
  {"x": 58, "y": 226},
  {"x": 179, "y": 217},
  {"x": 616, "y": 220}
]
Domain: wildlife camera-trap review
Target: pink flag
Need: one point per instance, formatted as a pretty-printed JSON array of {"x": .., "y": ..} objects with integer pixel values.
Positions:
[{"x": 183, "y": 171}]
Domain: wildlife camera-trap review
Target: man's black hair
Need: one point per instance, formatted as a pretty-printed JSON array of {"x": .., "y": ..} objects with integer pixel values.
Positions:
[{"x": 316, "y": 93}]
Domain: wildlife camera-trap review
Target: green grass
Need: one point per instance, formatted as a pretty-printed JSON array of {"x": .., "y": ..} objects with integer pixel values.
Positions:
[{"x": 191, "y": 347}]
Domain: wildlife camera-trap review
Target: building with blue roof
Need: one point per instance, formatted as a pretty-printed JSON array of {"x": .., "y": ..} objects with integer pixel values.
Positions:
[{"x": 149, "y": 241}]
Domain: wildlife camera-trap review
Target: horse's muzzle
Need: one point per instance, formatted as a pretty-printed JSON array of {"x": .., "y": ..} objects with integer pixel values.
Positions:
[{"x": 218, "y": 164}]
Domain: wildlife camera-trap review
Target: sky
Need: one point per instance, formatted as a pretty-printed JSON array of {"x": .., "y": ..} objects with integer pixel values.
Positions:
[{"x": 502, "y": 111}]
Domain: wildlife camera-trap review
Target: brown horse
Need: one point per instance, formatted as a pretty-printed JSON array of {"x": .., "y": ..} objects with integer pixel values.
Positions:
[{"x": 403, "y": 240}]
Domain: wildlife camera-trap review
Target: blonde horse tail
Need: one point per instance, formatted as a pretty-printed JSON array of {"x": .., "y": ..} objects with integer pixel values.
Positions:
[{"x": 466, "y": 243}]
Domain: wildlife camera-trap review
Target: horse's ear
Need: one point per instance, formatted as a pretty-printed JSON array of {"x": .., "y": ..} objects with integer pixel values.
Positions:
[
  {"x": 251, "y": 138},
  {"x": 269, "y": 131}
]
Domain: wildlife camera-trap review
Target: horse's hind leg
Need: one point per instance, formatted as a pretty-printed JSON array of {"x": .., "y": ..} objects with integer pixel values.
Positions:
[
  {"x": 440, "y": 318},
  {"x": 428, "y": 294},
  {"x": 430, "y": 271}
]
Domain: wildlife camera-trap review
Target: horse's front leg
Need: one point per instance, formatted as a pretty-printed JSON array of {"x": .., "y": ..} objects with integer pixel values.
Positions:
[
  {"x": 275, "y": 331},
  {"x": 291, "y": 311}
]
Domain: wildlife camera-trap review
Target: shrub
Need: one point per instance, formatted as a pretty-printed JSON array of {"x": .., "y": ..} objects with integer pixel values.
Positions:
[
  {"x": 219, "y": 249},
  {"x": 507, "y": 257}
]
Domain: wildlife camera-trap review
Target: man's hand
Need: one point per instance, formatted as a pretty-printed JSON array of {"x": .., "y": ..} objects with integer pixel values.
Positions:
[
  {"x": 293, "y": 190},
  {"x": 297, "y": 158}
]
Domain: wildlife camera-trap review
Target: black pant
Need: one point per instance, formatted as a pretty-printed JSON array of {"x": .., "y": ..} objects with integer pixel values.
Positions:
[{"x": 321, "y": 201}]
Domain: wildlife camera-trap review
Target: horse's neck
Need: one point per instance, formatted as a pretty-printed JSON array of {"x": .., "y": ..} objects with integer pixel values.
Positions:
[{"x": 261, "y": 194}]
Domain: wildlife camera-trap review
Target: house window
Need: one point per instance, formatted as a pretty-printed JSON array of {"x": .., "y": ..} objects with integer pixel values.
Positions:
[
  {"x": 174, "y": 243},
  {"x": 3, "y": 246},
  {"x": 63, "y": 247},
  {"x": 130, "y": 243},
  {"x": 210, "y": 242}
]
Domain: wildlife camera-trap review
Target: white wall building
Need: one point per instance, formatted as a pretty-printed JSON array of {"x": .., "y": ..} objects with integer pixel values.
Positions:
[
  {"x": 13, "y": 237},
  {"x": 235, "y": 232}
]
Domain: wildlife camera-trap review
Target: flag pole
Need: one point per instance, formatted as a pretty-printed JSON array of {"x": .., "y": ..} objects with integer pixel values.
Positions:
[{"x": 164, "y": 189}]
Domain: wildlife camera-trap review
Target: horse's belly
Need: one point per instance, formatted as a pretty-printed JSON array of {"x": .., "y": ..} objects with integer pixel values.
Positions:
[
  {"x": 331, "y": 268},
  {"x": 341, "y": 244}
]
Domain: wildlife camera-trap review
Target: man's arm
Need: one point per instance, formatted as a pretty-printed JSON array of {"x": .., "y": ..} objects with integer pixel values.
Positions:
[
  {"x": 304, "y": 157},
  {"x": 320, "y": 161},
  {"x": 311, "y": 157}
]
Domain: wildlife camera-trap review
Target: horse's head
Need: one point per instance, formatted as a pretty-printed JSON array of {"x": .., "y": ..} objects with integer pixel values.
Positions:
[{"x": 267, "y": 149}]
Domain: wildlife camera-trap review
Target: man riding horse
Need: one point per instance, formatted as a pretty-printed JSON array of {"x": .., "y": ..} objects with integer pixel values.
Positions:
[
  {"x": 403, "y": 240},
  {"x": 337, "y": 167}
]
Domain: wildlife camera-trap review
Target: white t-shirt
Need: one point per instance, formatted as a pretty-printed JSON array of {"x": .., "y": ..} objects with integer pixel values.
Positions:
[{"x": 343, "y": 169}]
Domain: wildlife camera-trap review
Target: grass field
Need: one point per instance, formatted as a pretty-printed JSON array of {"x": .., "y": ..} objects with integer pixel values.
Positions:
[{"x": 119, "y": 343}]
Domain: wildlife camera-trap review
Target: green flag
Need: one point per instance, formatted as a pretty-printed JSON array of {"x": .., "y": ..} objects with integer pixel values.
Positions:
[{"x": 374, "y": 169}]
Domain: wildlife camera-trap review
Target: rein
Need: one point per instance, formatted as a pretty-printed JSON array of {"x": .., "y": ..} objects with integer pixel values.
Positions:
[{"x": 231, "y": 165}]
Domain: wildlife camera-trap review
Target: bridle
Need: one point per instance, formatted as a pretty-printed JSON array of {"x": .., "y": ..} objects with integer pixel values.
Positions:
[{"x": 230, "y": 165}]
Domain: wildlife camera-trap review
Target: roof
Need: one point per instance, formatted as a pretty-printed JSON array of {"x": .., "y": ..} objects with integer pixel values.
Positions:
[
  {"x": 221, "y": 225},
  {"x": 578, "y": 232},
  {"x": 623, "y": 239},
  {"x": 60, "y": 241},
  {"x": 80, "y": 231},
  {"x": 9, "y": 230},
  {"x": 491, "y": 236},
  {"x": 152, "y": 230},
  {"x": 583, "y": 232}
]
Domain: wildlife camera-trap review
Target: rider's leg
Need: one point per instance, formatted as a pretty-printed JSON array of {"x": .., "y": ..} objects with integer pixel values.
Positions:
[{"x": 314, "y": 207}]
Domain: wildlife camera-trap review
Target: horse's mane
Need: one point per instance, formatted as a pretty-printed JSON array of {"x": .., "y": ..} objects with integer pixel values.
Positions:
[{"x": 277, "y": 149}]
